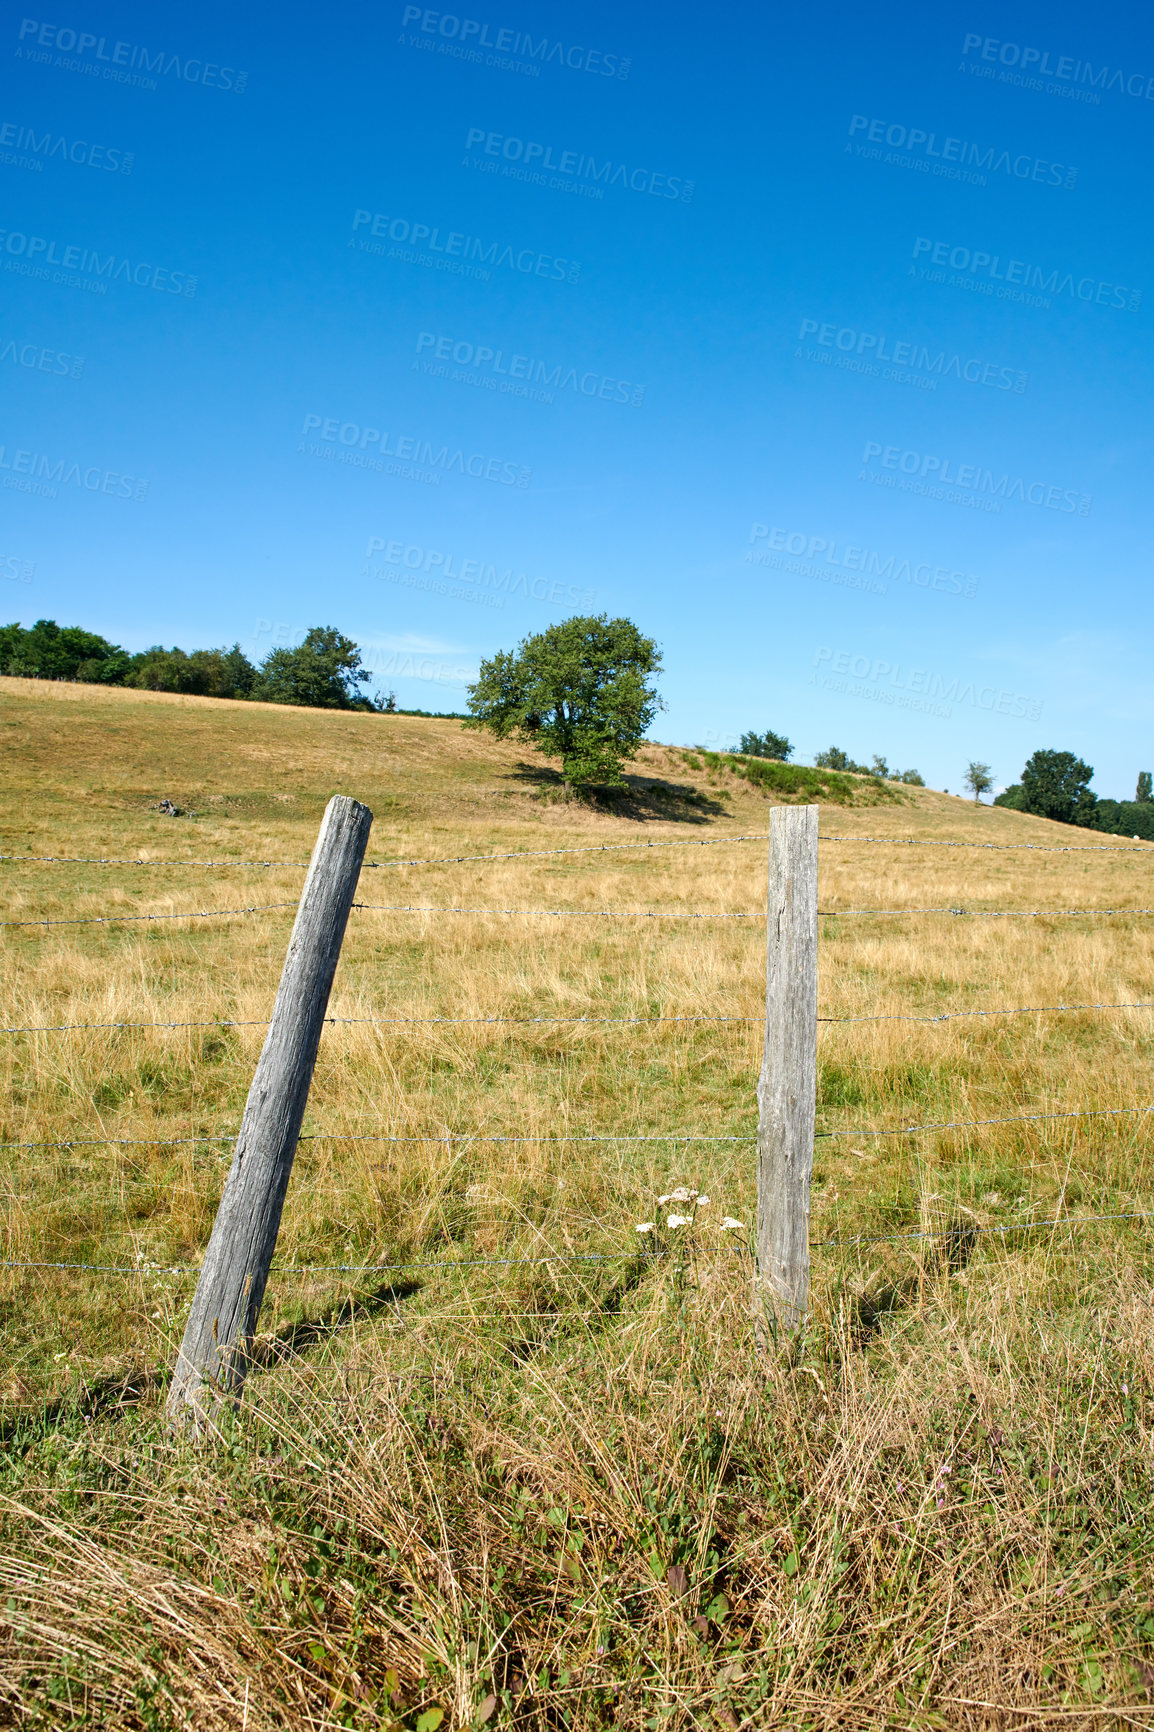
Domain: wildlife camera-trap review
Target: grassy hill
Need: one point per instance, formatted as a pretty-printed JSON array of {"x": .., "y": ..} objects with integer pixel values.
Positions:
[{"x": 521, "y": 1473}]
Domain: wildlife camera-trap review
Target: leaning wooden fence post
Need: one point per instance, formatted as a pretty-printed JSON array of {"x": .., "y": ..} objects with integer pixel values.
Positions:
[
  {"x": 787, "y": 1088},
  {"x": 213, "y": 1360}
]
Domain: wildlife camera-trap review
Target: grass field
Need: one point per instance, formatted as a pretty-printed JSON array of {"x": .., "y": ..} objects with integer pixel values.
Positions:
[{"x": 567, "y": 1493}]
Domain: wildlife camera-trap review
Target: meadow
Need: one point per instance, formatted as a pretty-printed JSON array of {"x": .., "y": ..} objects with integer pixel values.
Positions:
[{"x": 505, "y": 1461}]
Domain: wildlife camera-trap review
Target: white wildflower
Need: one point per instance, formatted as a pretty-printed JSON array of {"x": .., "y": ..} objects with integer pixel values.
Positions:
[
  {"x": 661, "y": 1201},
  {"x": 645, "y": 1226},
  {"x": 678, "y": 1221},
  {"x": 729, "y": 1225},
  {"x": 701, "y": 1202},
  {"x": 682, "y": 1194}
]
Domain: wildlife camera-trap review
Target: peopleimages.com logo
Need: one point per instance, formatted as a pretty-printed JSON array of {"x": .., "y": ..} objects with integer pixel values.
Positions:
[
  {"x": 923, "y": 472},
  {"x": 883, "y": 682},
  {"x": 51, "y": 146},
  {"x": 518, "y": 375},
  {"x": 434, "y": 569},
  {"x": 991, "y": 269},
  {"x": 31, "y": 255},
  {"x": 349, "y": 442},
  {"x": 583, "y": 168},
  {"x": 124, "y": 59},
  {"x": 857, "y": 567},
  {"x": 910, "y": 361},
  {"x": 955, "y": 158},
  {"x": 458, "y": 253},
  {"x": 39, "y": 359},
  {"x": 33, "y": 472},
  {"x": 15, "y": 569},
  {"x": 1036, "y": 62},
  {"x": 465, "y": 37}
]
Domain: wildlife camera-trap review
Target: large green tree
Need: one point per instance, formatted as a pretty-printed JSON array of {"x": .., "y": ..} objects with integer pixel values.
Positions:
[
  {"x": 1057, "y": 785},
  {"x": 324, "y": 671},
  {"x": 581, "y": 691},
  {"x": 1054, "y": 785}
]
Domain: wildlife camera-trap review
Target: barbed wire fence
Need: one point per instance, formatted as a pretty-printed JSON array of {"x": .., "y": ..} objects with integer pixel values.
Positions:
[{"x": 452, "y": 1138}]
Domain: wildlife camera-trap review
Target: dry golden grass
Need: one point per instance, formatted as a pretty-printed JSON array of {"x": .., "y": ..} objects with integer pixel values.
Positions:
[{"x": 571, "y": 1487}]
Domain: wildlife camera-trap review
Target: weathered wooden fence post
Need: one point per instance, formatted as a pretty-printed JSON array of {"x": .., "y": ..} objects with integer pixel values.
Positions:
[
  {"x": 787, "y": 1088},
  {"x": 213, "y": 1360}
]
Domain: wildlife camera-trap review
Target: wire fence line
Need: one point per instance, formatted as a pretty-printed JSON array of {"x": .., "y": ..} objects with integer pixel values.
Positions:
[
  {"x": 987, "y": 913},
  {"x": 569, "y": 913},
  {"x": 595, "y": 848},
  {"x": 403, "y": 1022},
  {"x": 954, "y": 1229},
  {"x": 738, "y": 914},
  {"x": 993, "y": 847},
  {"x": 676, "y": 1137},
  {"x": 456, "y": 1139},
  {"x": 735, "y": 914},
  {"x": 584, "y": 913},
  {"x": 117, "y": 919},
  {"x": 1017, "y": 1010},
  {"x": 569, "y": 1021}
]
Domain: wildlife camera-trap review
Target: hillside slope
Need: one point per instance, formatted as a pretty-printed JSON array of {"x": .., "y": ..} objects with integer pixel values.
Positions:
[
  {"x": 503, "y": 1458},
  {"x": 107, "y": 756}
]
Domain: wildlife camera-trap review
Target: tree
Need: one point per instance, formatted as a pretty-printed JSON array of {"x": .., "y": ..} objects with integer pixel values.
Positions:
[
  {"x": 833, "y": 758},
  {"x": 47, "y": 651},
  {"x": 1057, "y": 785},
  {"x": 979, "y": 779},
  {"x": 1125, "y": 818},
  {"x": 224, "y": 673},
  {"x": 912, "y": 778},
  {"x": 1145, "y": 789},
  {"x": 580, "y": 691},
  {"x": 767, "y": 745},
  {"x": 324, "y": 672},
  {"x": 209, "y": 673}
]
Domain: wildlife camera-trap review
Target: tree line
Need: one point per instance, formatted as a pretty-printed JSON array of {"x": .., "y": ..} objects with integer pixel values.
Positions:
[
  {"x": 583, "y": 691},
  {"x": 324, "y": 671},
  {"x": 1057, "y": 785},
  {"x": 774, "y": 745}
]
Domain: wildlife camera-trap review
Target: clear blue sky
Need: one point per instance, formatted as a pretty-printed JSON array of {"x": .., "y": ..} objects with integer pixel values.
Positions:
[{"x": 849, "y": 361}]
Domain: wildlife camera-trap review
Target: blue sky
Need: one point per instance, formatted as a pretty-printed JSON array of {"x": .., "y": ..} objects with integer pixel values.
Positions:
[{"x": 820, "y": 345}]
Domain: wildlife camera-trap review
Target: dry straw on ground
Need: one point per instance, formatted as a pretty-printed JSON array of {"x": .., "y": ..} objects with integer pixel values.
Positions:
[{"x": 564, "y": 1493}]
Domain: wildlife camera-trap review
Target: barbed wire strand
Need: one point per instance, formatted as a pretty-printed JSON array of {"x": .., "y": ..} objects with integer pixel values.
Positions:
[
  {"x": 392, "y": 1022},
  {"x": 987, "y": 913},
  {"x": 117, "y": 919},
  {"x": 976, "y": 1124},
  {"x": 737, "y": 914},
  {"x": 1018, "y": 1010},
  {"x": 566, "y": 913},
  {"x": 574, "y": 1136},
  {"x": 995, "y": 847},
  {"x": 448, "y": 1264},
  {"x": 355, "y": 1137},
  {"x": 596, "y": 848},
  {"x": 567, "y": 1021},
  {"x": 583, "y": 913}
]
